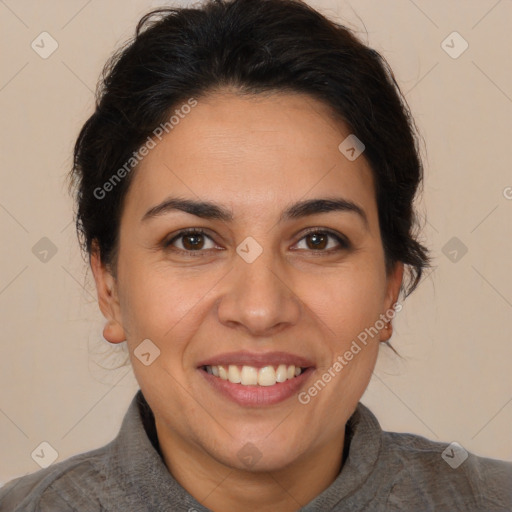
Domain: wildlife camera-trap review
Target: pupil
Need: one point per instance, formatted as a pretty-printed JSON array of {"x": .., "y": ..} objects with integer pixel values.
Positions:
[
  {"x": 317, "y": 237},
  {"x": 194, "y": 243}
]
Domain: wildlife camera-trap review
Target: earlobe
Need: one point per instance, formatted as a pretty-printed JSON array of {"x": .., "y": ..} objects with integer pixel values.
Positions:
[
  {"x": 108, "y": 302},
  {"x": 113, "y": 332}
]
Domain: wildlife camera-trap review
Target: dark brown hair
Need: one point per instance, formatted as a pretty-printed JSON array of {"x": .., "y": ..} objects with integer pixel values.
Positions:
[{"x": 253, "y": 46}]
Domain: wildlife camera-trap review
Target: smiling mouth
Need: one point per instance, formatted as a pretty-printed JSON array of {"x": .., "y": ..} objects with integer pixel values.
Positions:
[{"x": 252, "y": 376}]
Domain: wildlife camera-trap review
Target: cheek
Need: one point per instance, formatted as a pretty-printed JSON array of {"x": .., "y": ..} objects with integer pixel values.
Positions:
[
  {"x": 347, "y": 301},
  {"x": 160, "y": 303},
  {"x": 163, "y": 303}
]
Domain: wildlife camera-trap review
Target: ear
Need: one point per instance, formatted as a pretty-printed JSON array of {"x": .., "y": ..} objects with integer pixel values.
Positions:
[
  {"x": 394, "y": 282},
  {"x": 106, "y": 287}
]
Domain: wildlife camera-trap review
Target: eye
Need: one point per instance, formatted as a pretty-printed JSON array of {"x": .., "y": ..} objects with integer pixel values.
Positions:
[
  {"x": 191, "y": 240},
  {"x": 319, "y": 240}
]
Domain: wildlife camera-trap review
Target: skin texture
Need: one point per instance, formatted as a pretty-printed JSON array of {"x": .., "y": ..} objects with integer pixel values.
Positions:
[{"x": 255, "y": 155}]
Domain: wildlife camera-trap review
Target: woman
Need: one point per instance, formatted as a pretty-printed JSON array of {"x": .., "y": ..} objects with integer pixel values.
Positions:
[{"x": 245, "y": 194}]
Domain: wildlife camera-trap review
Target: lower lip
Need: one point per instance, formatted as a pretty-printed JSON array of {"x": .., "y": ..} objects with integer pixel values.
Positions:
[{"x": 258, "y": 395}]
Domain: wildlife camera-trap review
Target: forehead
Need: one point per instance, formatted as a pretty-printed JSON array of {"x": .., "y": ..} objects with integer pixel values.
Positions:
[{"x": 252, "y": 153}]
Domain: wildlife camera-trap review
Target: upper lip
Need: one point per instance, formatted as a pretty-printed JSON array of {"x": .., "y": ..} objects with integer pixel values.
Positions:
[{"x": 256, "y": 359}]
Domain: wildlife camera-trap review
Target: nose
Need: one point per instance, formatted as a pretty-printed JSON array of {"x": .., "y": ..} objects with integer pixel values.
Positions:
[{"x": 257, "y": 297}]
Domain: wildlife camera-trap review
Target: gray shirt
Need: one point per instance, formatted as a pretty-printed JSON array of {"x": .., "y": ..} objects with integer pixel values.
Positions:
[{"x": 383, "y": 471}]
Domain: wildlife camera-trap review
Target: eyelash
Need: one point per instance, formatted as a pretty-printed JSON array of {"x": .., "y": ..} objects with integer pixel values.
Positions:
[{"x": 344, "y": 243}]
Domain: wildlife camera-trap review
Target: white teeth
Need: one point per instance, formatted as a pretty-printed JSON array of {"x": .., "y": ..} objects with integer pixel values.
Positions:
[
  {"x": 223, "y": 374},
  {"x": 251, "y": 376},
  {"x": 281, "y": 373},
  {"x": 267, "y": 376},
  {"x": 234, "y": 374}
]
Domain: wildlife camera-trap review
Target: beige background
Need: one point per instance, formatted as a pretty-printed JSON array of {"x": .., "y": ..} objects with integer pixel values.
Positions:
[{"x": 454, "y": 331}]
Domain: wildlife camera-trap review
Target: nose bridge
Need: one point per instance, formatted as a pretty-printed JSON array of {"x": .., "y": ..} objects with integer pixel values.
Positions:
[
  {"x": 257, "y": 279},
  {"x": 257, "y": 297}
]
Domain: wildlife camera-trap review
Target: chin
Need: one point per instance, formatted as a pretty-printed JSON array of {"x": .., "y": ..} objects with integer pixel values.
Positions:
[{"x": 260, "y": 455}]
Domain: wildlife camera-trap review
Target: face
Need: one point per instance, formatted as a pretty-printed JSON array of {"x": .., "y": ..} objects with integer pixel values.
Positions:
[{"x": 266, "y": 285}]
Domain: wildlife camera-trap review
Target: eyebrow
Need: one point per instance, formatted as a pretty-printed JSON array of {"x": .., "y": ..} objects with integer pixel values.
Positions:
[{"x": 213, "y": 211}]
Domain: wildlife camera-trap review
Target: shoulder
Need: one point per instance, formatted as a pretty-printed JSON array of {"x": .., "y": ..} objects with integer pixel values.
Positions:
[
  {"x": 69, "y": 485},
  {"x": 444, "y": 476}
]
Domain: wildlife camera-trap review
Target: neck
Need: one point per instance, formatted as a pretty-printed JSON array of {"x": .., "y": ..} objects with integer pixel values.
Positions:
[{"x": 220, "y": 487}]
